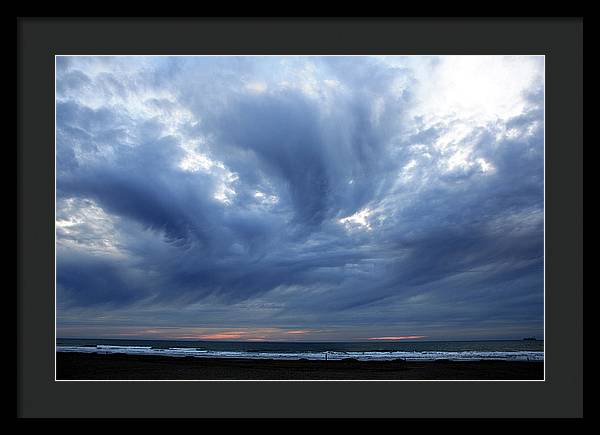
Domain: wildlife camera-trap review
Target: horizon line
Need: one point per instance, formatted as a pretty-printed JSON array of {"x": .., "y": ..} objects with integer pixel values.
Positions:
[{"x": 361, "y": 340}]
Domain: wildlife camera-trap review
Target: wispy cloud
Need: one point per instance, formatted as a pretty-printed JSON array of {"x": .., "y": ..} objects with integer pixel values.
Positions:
[{"x": 331, "y": 196}]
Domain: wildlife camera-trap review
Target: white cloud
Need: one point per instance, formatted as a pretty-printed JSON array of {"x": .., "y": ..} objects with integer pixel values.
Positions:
[
  {"x": 256, "y": 87},
  {"x": 84, "y": 225},
  {"x": 477, "y": 88},
  {"x": 360, "y": 219}
]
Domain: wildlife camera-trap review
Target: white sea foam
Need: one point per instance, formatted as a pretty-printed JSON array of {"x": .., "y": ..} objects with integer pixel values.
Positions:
[{"x": 330, "y": 355}]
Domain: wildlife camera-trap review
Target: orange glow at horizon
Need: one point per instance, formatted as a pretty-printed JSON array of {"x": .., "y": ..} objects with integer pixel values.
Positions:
[
  {"x": 242, "y": 334},
  {"x": 221, "y": 336}
]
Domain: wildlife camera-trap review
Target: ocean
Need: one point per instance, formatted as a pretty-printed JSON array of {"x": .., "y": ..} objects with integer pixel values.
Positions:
[{"x": 512, "y": 350}]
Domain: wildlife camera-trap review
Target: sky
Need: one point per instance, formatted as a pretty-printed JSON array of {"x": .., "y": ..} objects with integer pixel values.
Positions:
[{"x": 313, "y": 198}]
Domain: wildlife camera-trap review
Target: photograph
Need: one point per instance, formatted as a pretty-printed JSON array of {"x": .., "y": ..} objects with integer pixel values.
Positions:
[{"x": 299, "y": 217}]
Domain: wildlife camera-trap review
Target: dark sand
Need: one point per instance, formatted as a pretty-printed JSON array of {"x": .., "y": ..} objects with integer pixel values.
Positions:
[{"x": 82, "y": 366}]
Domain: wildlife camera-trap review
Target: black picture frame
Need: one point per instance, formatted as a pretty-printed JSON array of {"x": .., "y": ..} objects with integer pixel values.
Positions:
[{"x": 560, "y": 40}]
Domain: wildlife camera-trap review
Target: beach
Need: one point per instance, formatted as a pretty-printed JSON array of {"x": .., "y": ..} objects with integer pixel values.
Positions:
[{"x": 116, "y": 366}]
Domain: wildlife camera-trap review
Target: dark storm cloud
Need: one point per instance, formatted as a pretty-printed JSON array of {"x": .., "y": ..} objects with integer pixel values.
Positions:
[{"x": 288, "y": 192}]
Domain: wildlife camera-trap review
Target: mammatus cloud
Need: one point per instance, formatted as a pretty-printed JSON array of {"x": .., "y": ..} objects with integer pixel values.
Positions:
[{"x": 300, "y": 197}]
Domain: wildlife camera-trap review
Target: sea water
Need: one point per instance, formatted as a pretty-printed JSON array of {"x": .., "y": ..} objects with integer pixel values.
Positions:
[{"x": 512, "y": 350}]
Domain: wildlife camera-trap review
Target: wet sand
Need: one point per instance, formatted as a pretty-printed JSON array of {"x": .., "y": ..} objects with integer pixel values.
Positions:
[{"x": 84, "y": 366}]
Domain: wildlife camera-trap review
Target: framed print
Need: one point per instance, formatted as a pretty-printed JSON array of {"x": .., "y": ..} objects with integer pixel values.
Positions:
[{"x": 300, "y": 216}]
